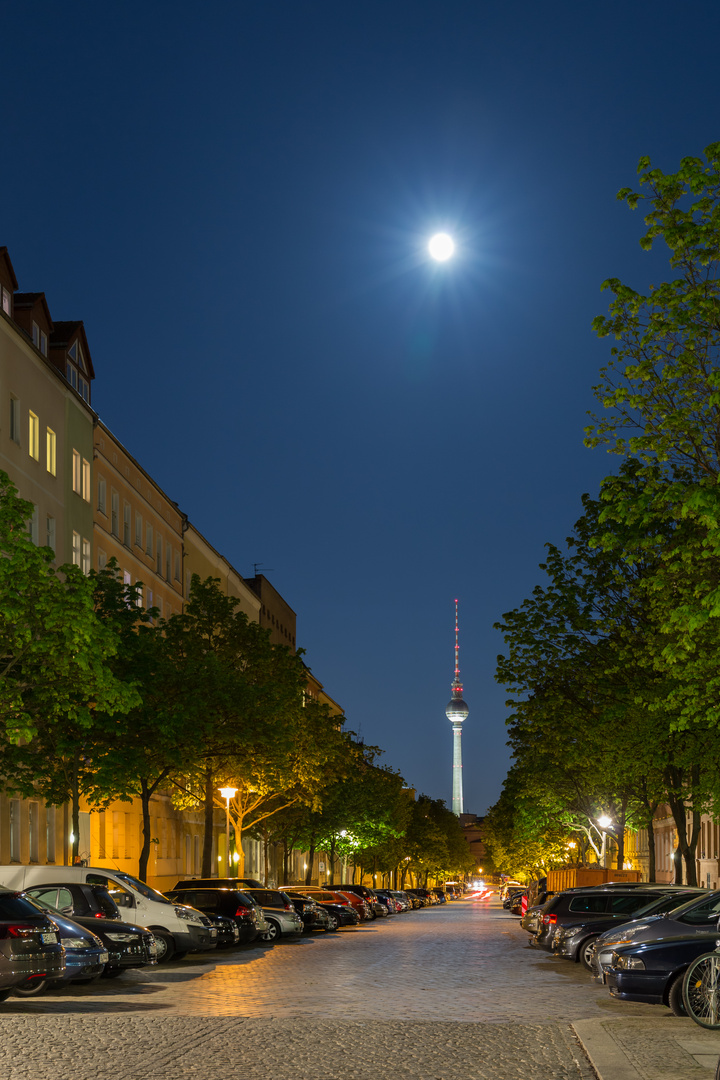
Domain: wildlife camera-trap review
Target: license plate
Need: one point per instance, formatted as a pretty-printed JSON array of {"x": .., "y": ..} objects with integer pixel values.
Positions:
[
  {"x": 49, "y": 938},
  {"x": 103, "y": 958},
  {"x": 213, "y": 932},
  {"x": 152, "y": 949}
]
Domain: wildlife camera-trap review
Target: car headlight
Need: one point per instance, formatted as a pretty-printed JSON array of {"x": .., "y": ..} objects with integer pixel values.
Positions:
[
  {"x": 573, "y": 932},
  {"x": 628, "y": 963},
  {"x": 121, "y": 937},
  {"x": 188, "y": 914},
  {"x": 79, "y": 943}
]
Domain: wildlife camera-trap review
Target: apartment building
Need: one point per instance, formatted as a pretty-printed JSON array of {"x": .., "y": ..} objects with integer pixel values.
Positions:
[
  {"x": 136, "y": 523},
  {"x": 202, "y": 559}
]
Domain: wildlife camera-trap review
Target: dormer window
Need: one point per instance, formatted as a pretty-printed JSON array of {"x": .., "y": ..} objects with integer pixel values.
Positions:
[
  {"x": 76, "y": 371},
  {"x": 6, "y": 297},
  {"x": 39, "y": 339}
]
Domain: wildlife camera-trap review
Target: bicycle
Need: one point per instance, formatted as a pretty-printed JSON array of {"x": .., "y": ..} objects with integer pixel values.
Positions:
[{"x": 701, "y": 990}]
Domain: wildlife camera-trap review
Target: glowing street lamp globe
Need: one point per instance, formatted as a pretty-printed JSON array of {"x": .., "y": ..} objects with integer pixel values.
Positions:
[{"x": 441, "y": 246}]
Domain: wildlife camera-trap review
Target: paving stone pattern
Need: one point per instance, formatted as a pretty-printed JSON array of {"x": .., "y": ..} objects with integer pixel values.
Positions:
[{"x": 438, "y": 994}]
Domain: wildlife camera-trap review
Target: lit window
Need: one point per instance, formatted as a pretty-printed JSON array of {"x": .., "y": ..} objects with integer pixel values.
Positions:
[
  {"x": 86, "y": 485},
  {"x": 138, "y": 594},
  {"x": 77, "y": 472},
  {"x": 102, "y": 495},
  {"x": 115, "y": 514},
  {"x": 138, "y": 530},
  {"x": 126, "y": 524},
  {"x": 50, "y": 532},
  {"x": 76, "y": 549},
  {"x": 51, "y": 452},
  {"x": 148, "y": 540},
  {"x": 15, "y": 420},
  {"x": 33, "y": 436},
  {"x": 86, "y": 560}
]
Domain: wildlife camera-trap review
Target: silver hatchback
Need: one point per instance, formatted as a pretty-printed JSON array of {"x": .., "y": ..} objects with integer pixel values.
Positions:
[{"x": 279, "y": 911}]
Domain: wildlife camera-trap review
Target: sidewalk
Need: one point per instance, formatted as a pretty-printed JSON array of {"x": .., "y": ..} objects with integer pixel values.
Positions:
[{"x": 664, "y": 1048}]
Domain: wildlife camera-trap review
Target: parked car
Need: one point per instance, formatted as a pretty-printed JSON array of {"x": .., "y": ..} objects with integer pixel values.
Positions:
[
  {"x": 652, "y": 971},
  {"x": 338, "y": 908},
  {"x": 390, "y": 903},
  {"x": 85, "y": 954},
  {"x": 313, "y": 916},
  {"x": 77, "y": 898},
  {"x": 29, "y": 944},
  {"x": 341, "y": 896},
  {"x": 279, "y": 913},
  {"x": 575, "y": 905},
  {"x": 218, "y": 883},
  {"x": 441, "y": 895},
  {"x": 176, "y": 929},
  {"x": 420, "y": 894},
  {"x": 239, "y": 906},
  {"x": 698, "y": 916},
  {"x": 576, "y": 940},
  {"x": 379, "y": 909},
  {"x": 127, "y": 945}
]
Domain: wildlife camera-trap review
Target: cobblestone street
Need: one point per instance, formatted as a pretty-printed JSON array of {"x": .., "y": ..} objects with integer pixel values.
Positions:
[{"x": 445, "y": 992}]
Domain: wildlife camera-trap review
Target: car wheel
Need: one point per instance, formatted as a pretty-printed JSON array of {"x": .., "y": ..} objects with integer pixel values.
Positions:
[
  {"x": 165, "y": 946},
  {"x": 273, "y": 933},
  {"x": 675, "y": 998},
  {"x": 111, "y": 973},
  {"x": 31, "y": 987},
  {"x": 333, "y": 922},
  {"x": 586, "y": 952}
]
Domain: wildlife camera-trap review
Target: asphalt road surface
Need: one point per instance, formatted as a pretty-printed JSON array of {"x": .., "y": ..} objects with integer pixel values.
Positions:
[{"x": 443, "y": 993}]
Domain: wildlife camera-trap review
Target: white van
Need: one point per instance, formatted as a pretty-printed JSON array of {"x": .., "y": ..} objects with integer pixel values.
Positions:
[{"x": 177, "y": 929}]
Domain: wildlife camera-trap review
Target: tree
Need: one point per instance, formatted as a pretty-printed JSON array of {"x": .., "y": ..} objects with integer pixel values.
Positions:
[{"x": 54, "y": 652}]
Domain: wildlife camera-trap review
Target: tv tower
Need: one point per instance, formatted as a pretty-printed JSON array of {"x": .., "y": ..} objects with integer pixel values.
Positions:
[{"x": 456, "y": 712}]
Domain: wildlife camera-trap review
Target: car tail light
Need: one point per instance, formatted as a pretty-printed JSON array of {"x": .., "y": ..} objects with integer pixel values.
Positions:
[
  {"x": 244, "y": 913},
  {"x": 549, "y": 920},
  {"x": 18, "y": 930}
]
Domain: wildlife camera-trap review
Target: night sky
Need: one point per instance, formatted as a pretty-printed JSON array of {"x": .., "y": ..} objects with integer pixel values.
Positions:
[{"x": 236, "y": 199}]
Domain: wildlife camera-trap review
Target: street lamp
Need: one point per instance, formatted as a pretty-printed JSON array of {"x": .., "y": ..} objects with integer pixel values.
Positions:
[
  {"x": 227, "y": 793},
  {"x": 604, "y": 822}
]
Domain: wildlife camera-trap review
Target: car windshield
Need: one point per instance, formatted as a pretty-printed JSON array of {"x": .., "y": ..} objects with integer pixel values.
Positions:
[
  {"x": 668, "y": 902},
  {"x": 18, "y": 907},
  {"x": 142, "y": 888}
]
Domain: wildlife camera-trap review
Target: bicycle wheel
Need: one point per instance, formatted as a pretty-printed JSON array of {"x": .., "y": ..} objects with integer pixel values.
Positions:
[{"x": 701, "y": 990}]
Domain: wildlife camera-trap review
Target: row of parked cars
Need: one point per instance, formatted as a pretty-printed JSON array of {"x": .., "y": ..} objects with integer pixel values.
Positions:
[
  {"x": 78, "y": 924},
  {"x": 638, "y": 939}
]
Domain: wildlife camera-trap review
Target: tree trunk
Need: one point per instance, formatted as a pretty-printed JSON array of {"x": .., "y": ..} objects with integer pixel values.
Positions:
[
  {"x": 677, "y": 863},
  {"x": 651, "y": 850},
  {"x": 332, "y": 859},
  {"x": 619, "y": 863},
  {"x": 75, "y": 784},
  {"x": 311, "y": 859},
  {"x": 685, "y": 849},
  {"x": 207, "y": 859},
  {"x": 237, "y": 829},
  {"x": 145, "y": 794},
  {"x": 266, "y": 848},
  {"x": 285, "y": 862}
]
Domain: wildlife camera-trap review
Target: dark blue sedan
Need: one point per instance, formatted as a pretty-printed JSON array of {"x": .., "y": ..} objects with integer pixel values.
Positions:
[{"x": 652, "y": 971}]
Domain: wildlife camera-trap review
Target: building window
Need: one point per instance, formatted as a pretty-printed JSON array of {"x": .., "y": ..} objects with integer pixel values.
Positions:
[
  {"x": 102, "y": 560},
  {"x": 43, "y": 342},
  {"x": 86, "y": 560},
  {"x": 34, "y": 828},
  {"x": 149, "y": 598},
  {"x": 168, "y": 562},
  {"x": 177, "y": 565},
  {"x": 158, "y": 556},
  {"x": 138, "y": 530},
  {"x": 14, "y": 830},
  {"x": 115, "y": 514},
  {"x": 76, "y": 549},
  {"x": 51, "y": 439},
  {"x": 138, "y": 594},
  {"x": 15, "y": 420},
  {"x": 126, "y": 524},
  {"x": 35, "y": 525},
  {"x": 127, "y": 580},
  {"x": 148, "y": 540},
  {"x": 6, "y": 300},
  {"x": 86, "y": 484},
  {"x": 33, "y": 436},
  {"x": 36, "y": 335},
  {"x": 102, "y": 495},
  {"x": 159, "y": 606},
  {"x": 50, "y": 834},
  {"x": 77, "y": 472},
  {"x": 50, "y": 532}
]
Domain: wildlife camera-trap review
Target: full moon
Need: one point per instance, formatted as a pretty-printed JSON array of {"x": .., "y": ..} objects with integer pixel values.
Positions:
[{"x": 441, "y": 246}]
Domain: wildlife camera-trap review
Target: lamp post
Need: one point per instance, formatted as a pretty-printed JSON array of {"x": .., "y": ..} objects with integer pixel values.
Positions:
[
  {"x": 227, "y": 793},
  {"x": 604, "y": 822}
]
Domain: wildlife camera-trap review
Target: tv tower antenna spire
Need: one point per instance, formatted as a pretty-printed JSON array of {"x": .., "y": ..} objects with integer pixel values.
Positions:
[{"x": 456, "y": 712}]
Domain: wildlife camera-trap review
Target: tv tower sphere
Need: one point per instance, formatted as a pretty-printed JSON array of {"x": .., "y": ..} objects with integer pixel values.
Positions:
[{"x": 456, "y": 712}]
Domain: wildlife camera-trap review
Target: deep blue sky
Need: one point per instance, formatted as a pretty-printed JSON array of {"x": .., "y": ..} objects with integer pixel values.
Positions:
[{"x": 235, "y": 198}]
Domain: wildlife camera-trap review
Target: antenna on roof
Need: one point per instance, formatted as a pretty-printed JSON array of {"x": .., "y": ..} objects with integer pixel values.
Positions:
[{"x": 259, "y": 566}]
